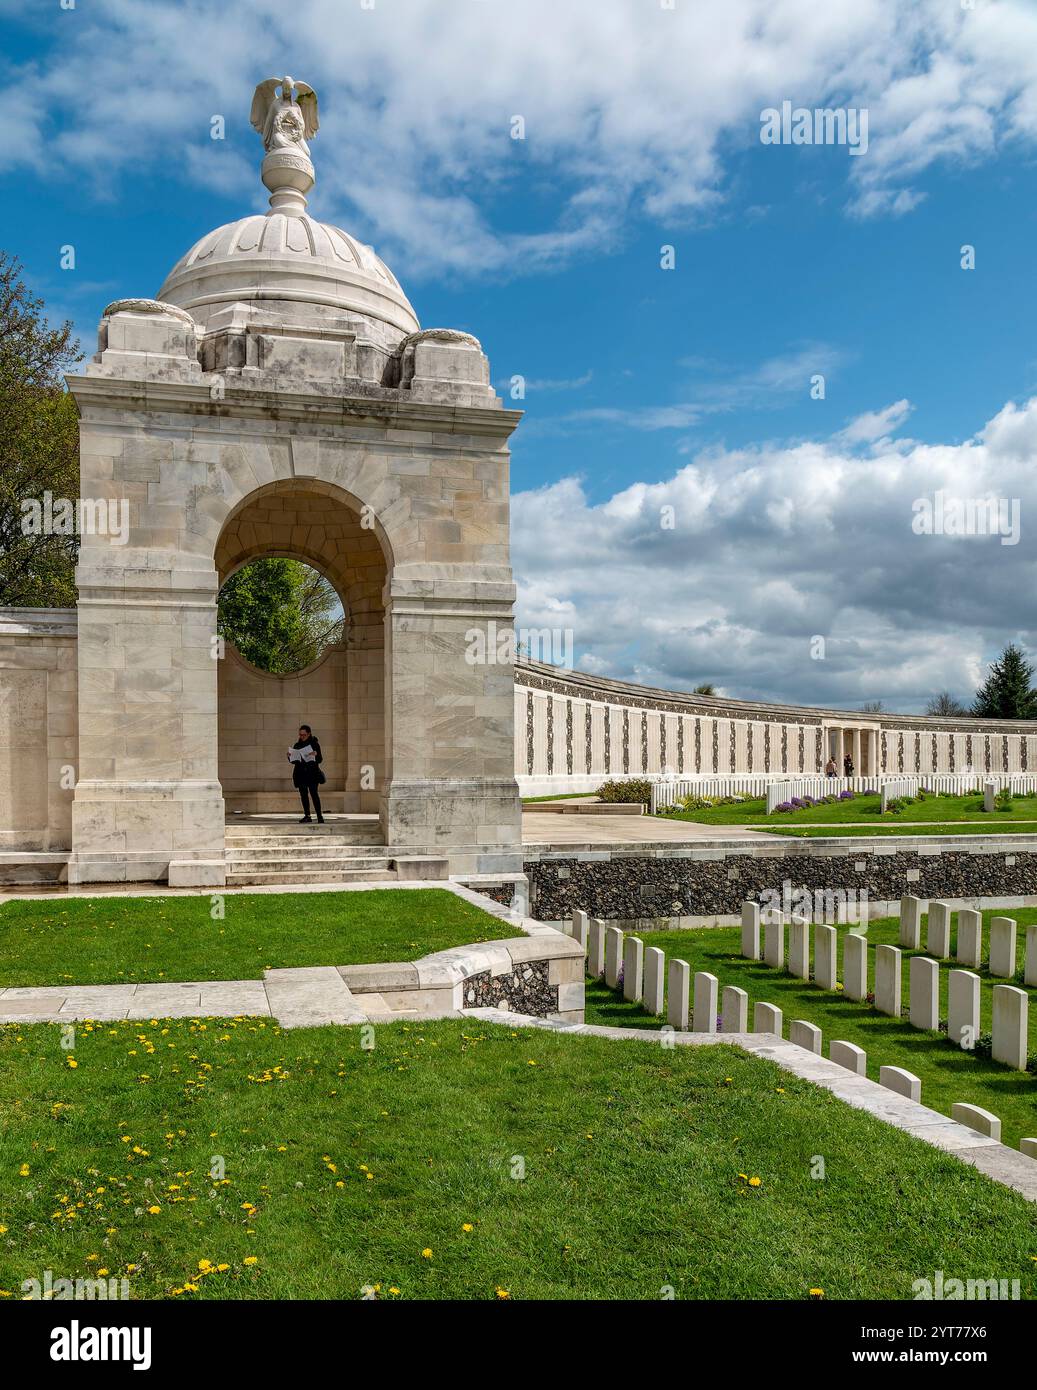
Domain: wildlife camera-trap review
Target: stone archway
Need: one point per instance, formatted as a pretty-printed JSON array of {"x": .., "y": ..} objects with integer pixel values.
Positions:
[{"x": 343, "y": 695}]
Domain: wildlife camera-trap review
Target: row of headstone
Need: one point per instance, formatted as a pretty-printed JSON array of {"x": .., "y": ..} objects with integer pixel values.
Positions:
[
  {"x": 1010, "y": 1005},
  {"x": 1004, "y": 933}
]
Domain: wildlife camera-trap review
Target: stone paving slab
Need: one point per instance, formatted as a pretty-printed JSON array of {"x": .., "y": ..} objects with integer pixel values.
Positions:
[{"x": 311, "y": 997}]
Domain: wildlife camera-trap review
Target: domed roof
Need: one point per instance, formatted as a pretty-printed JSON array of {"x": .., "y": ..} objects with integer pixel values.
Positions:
[{"x": 284, "y": 257}]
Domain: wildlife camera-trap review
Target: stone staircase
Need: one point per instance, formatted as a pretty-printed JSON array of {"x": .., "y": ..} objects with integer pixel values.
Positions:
[{"x": 276, "y": 849}]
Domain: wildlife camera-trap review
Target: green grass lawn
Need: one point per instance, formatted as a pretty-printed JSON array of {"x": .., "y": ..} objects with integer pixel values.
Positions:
[
  {"x": 943, "y": 809},
  {"x": 987, "y": 827},
  {"x": 560, "y": 796},
  {"x": 947, "y": 1073},
  {"x": 457, "y": 1160},
  {"x": 96, "y": 941}
]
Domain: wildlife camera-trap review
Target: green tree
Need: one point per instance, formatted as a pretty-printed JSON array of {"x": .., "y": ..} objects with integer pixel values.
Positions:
[
  {"x": 1007, "y": 693},
  {"x": 39, "y": 445},
  {"x": 280, "y": 614},
  {"x": 873, "y": 707},
  {"x": 706, "y": 688}
]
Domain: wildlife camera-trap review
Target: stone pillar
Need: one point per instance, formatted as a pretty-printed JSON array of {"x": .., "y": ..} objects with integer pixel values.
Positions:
[
  {"x": 596, "y": 948},
  {"x": 655, "y": 966},
  {"x": 969, "y": 949},
  {"x": 799, "y": 948},
  {"x": 910, "y": 922},
  {"x": 706, "y": 987},
  {"x": 840, "y": 749},
  {"x": 905, "y": 1083},
  {"x": 875, "y": 757},
  {"x": 938, "y": 931},
  {"x": 767, "y": 1018},
  {"x": 856, "y": 754},
  {"x": 826, "y": 941},
  {"x": 1002, "y": 947},
  {"x": 677, "y": 995},
  {"x": 774, "y": 941},
  {"x": 734, "y": 1010},
  {"x": 924, "y": 986},
  {"x": 887, "y": 980},
  {"x": 633, "y": 969},
  {"x": 855, "y": 966},
  {"x": 850, "y": 1056},
  {"x": 806, "y": 1035},
  {"x": 963, "y": 1008},
  {"x": 1011, "y": 1007},
  {"x": 751, "y": 931},
  {"x": 613, "y": 956},
  {"x": 449, "y": 719}
]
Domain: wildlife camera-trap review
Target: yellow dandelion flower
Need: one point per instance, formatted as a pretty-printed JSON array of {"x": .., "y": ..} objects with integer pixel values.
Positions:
[
  {"x": 503, "y": 1293},
  {"x": 467, "y": 1226},
  {"x": 23, "y": 1171},
  {"x": 817, "y": 1293},
  {"x": 426, "y": 1254},
  {"x": 754, "y": 1182},
  {"x": 154, "y": 1210},
  {"x": 72, "y": 1062},
  {"x": 250, "y": 1260}
]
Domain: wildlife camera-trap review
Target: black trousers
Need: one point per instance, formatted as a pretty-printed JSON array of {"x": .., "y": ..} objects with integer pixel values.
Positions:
[{"x": 305, "y": 793}]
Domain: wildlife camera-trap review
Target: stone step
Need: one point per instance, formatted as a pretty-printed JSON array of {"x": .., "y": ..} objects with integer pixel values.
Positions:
[
  {"x": 304, "y": 841},
  {"x": 296, "y": 827},
  {"x": 235, "y": 853},
  {"x": 303, "y": 861},
  {"x": 240, "y": 878}
]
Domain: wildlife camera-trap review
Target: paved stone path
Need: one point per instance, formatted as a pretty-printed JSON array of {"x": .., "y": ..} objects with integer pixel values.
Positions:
[
  {"x": 546, "y": 828},
  {"x": 1004, "y": 1165},
  {"x": 295, "y": 998}
]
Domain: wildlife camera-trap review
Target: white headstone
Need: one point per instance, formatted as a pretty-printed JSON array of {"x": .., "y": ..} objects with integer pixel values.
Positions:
[
  {"x": 751, "y": 931},
  {"x": 804, "y": 1034},
  {"x": 1011, "y": 1007},
  {"x": 963, "y": 1008},
  {"x": 826, "y": 943},
  {"x": 855, "y": 966},
  {"x": 911, "y": 922},
  {"x": 655, "y": 979},
  {"x": 677, "y": 994},
  {"x": 969, "y": 950},
  {"x": 595, "y": 948},
  {"x": 1002, "y": 947},
  {"x": 799, "y": 948},
  {"x": 1030, "y": 966},
  {"x": 938, "y": 933},
  {"x": 1028, "y": 1147},
  {"x": 989, "y": 792},
  {"x": 633, "y": 969},
  {"x": 578, "y": 928},
  {"x": 734, "y": 1010},
  {"x": 924, "y": 986},
  {"x": 613, "y": 956},
  {"x": 767, "y": 1018},
  {"x": 774, "y": 941},
  {"x": 887, "y": 980},
  {"x": 706, "y": 989},
  {"x": 850, "y": 1056},
  {"x": 905, "y": 1083},
  {"x": 975, "y": 1117}
]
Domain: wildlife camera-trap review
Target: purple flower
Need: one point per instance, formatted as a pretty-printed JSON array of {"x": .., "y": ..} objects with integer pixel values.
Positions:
[
  {"x": 784, "y": 806},
  {"x": 846, "y": 795}
]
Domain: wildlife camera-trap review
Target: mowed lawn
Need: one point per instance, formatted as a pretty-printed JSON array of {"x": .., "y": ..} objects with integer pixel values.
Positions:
[
  {"x": 965, "y": 811},
  {"x": 947, "y": 1073},
  {"x": 228, "y": 1159},
  {"x": 95, "y": 941}
]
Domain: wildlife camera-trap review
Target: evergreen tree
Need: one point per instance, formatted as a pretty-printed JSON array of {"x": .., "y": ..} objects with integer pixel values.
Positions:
[
  {"x": 39, "y": 445},
  {"x": 1007, "y": 693}
]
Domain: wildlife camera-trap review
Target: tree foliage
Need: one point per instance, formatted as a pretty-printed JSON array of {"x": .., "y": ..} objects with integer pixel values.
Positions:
[
  {"x": 1007, "y": 692},
  {"x": 39, "y": 445},
  {"x": 945, "y": 705},
  {"x": 280, "y": 614}
]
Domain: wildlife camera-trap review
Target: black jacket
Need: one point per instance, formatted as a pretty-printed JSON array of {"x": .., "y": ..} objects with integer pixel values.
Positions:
[{"x": 308, "y": 774}]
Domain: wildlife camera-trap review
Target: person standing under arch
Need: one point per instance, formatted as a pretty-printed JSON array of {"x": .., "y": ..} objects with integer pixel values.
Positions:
[{"x": 306, "y": 772}]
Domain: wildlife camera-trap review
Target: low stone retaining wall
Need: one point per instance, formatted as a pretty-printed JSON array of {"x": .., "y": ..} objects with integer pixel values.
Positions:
[{"x": 693, "y": 886}]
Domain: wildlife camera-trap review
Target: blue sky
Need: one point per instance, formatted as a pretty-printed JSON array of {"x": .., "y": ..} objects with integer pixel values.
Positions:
[{"x": 646, "y": 387}]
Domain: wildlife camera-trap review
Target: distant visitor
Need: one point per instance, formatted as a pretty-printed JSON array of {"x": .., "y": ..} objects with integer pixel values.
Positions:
[{"x": 306, "y": 758}]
